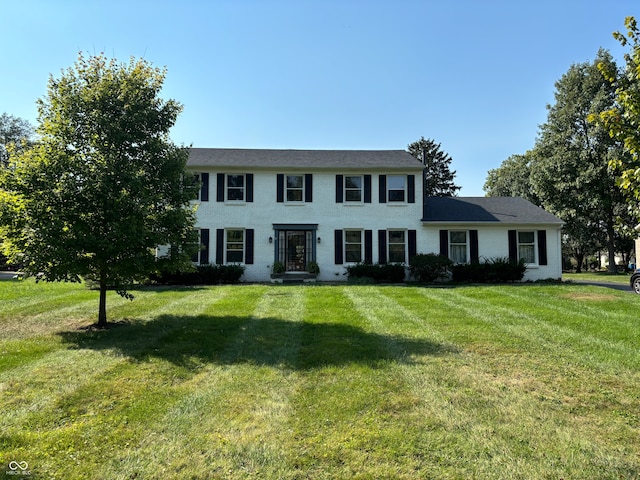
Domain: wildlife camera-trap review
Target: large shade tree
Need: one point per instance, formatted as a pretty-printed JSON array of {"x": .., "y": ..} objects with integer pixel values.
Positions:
[
  {"x": 103, "y": 185},
  {"x": 571, "y": 174},
  {"x": 438, "y": 176},
  {"x": 622, "y": 119}
]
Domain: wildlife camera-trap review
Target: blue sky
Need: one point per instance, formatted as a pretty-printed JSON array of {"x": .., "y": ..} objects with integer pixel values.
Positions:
[{"x": 475, "y": 76}]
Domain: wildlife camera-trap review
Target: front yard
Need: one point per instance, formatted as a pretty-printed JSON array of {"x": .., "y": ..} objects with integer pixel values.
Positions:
[{"x": 322, "y": 382}]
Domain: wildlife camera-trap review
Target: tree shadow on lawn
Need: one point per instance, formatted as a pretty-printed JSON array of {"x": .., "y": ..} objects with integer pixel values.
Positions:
[{"x": 191, "y": 341}]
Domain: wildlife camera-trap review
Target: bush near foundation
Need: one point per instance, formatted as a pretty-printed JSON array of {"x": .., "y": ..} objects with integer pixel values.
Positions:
[
  {"x": 378, "y": 273},
  {"x": 429, "y": 267},
  {"x": 202, "y": 275},
  {"x": 496, "y": 270}
]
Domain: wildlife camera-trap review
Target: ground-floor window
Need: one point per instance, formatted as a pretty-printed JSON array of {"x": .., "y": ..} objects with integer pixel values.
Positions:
[
  {"x": 458, "y": 246},
  {"x": 527, "y": 246},
  {"x": 396, "y": 245},
  {"x": 353, "y": 246},
  {"x": 234, "y": 246}
]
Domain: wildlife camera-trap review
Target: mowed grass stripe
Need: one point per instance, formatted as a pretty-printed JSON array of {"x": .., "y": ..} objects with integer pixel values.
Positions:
[
  {"x": 366, "y": 411},
  {"x": 79, "y": 384},
  {"x": 229, "y": 422},
  {"x": 496, "y": 406},
  {"x": 540, "y": 329}
]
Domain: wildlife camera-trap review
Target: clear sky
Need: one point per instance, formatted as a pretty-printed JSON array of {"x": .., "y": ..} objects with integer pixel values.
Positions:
[{"x": 473, "y": 75}]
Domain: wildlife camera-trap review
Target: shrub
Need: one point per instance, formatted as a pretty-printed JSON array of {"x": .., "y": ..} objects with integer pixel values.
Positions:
[
  {"x": 201, "y": 275},
  {"x": 278, "y": 267},
  {"x": 429, "y": 267},
  {"x": 496, "y": 270},
  {"x": 379, "y": 273}
]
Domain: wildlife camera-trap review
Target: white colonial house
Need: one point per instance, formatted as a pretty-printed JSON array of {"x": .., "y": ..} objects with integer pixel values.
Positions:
[{"x": 333, "y": 208}]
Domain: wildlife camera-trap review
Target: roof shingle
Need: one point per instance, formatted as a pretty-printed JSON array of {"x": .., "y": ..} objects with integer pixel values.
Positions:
[
  {"x": 316, "y": 159},
  {"x": 505, "y": 210}
]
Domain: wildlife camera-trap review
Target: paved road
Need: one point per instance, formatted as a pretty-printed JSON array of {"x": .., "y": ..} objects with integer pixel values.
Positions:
[{"x": 614, "y": 286}]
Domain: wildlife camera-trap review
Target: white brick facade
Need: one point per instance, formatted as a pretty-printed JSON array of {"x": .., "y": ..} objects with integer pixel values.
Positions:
[{"x": 334, "y": 208}]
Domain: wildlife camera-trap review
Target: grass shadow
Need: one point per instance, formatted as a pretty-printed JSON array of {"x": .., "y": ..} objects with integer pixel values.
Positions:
[{"x": 191, "y": 341}]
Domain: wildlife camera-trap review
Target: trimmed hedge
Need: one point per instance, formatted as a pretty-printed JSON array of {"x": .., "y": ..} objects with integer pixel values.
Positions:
[
  {"x": 378, "y": 273},
  {"x": 429, "y": 267},
  {"x": 497, "y": 270},
  {"x": 202, "y": 275}
]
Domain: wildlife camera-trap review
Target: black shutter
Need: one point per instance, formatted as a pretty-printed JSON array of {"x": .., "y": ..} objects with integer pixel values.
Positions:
[
  {"x": 444, "y": 243},
  {"x": 368, "y": 246},
  {"x": 338, "y": 247},
  {"x": 382, "y": 246},
  {"x": 542, "y": 247},
  {"x": 248, "y": 246},
  {"x": 413, "y": 244},
  {"x": 204, "y": 242},
  {"x": 249, "y": 180},
  {"x": 220, "y": 246},
  {"x": 367, "y": 189},
  {"x": 382, "y": 184},
  {"x": 513, "y": 245},
  {"x": 473, "y": 248},
  {"x": 280, "y": 187},
  {"x": 204, "y": 188},
  {"x": 308, "y": 187},
  {"x": 411, "y": 188},
  {"x": 220, "y": 188},
  {"x": 339, "y": 188}
]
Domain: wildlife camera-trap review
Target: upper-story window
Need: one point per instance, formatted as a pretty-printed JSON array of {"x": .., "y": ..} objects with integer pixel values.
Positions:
[
  {"x": 235, "y": 188},
  {"x": 202, "y": 179},
  {"x": 295, "y": 188},
  {"x": 396, "y": 188},
  {"x": 353, "y": 188}
]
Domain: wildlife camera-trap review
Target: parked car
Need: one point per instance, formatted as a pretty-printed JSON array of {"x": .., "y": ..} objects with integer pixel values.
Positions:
[{"x": 635, "y": 281}]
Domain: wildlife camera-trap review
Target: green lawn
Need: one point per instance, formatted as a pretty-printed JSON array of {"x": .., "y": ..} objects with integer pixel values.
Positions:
[
  {"x": 321, "y": 382},
  {"x": 604, "y": 277}
]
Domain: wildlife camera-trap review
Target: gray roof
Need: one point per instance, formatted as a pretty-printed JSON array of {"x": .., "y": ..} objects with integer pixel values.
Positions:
[
  {"x": 504, "y": 210},
  {"x": 316, "y": 159}
]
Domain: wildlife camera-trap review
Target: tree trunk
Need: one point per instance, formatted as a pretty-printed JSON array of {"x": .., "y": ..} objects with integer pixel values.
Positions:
[
  {"x": 579, "y": 260},
  {"x": 611, "y": 247},
  {"x": 102, "y": 309}
]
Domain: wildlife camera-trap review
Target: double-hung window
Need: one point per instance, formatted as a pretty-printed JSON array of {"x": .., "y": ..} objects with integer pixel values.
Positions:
[
  {"x": 353, "y": 188},
  {"x": 527, "y": 246},
  {"x": 234, "y": 246},
  {"x": 397, "y": 246},
  {"x": 353, "y": 246},
  {"x": 235, "y": 188},
  {"x": 458, "y": 246},
  {"x": 295, "y": 188},
  {"x": 396, "y": 188}
]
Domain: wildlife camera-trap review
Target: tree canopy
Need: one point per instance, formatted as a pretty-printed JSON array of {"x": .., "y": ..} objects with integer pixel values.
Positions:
[
  {"x": 438, "y": 176},
  {"x": 15, "y": 133},
  {"x": 568, "y": 171},
  {"x": 103, "y": 185},
  {"x": 622, "y": 119},
  {"x": 512, "y": 178}
]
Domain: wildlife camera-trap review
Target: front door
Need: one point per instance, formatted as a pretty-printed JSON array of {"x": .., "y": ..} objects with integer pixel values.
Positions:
[{"x": 296, "y": 252}]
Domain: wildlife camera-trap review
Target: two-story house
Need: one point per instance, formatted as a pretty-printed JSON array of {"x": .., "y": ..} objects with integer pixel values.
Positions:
[{"x": 339, "y": 207}]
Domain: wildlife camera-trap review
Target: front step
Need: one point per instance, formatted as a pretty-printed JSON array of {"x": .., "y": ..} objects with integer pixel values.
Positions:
[{"x": 293, "y": 278}]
